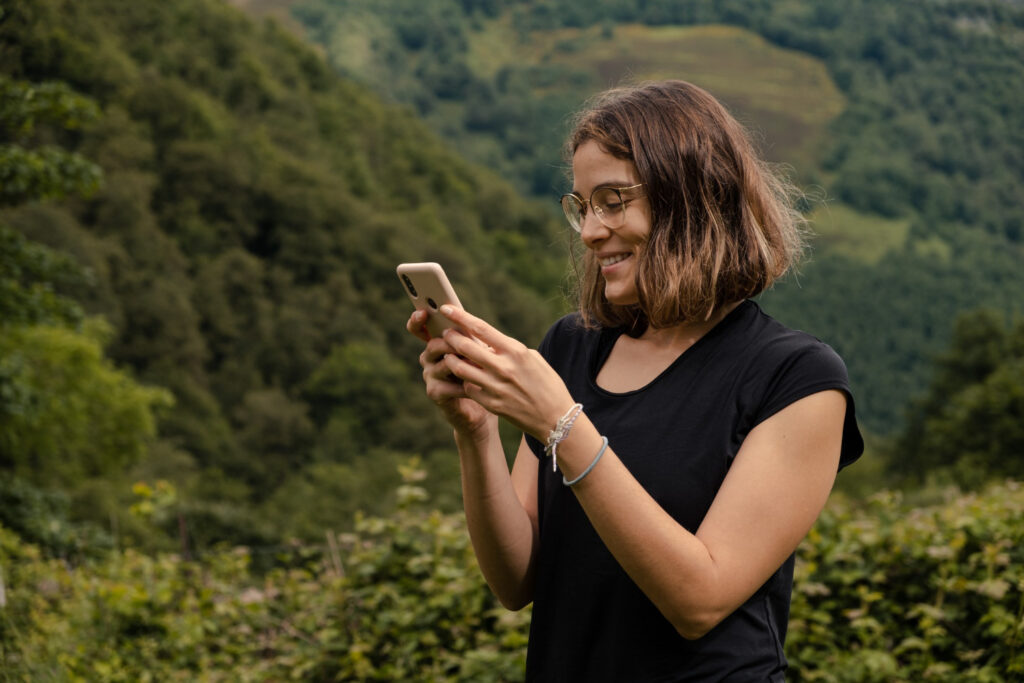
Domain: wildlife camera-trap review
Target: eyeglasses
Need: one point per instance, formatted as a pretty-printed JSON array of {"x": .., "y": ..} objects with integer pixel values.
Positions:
[{"x": 607, "y": 202}]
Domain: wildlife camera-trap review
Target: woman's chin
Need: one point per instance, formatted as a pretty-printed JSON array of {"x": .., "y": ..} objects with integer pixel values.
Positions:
[{"x": 620, "y": 298}]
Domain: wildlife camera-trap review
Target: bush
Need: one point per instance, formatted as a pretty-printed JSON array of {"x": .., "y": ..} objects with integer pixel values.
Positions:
[
  {"x": 401, "y": 598},
  {"x": 882, "y": 593},
  {"x": 889, "y": 593}
]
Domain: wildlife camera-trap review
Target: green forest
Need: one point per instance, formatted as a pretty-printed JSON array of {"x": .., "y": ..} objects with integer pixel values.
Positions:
[{"x": 216, "y": 457}]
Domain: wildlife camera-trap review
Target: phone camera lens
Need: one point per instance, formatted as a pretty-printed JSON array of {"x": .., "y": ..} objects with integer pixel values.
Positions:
[
  {"x": 433, "y": 304},
  {"x": 408, "y": 283}
]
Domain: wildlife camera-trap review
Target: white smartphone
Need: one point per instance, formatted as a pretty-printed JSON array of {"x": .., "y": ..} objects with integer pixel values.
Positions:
[{"x": 428, "y": 288}]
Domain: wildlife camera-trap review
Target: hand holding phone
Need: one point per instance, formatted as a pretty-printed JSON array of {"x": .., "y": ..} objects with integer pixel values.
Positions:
[{"x": 428, "y": 288}]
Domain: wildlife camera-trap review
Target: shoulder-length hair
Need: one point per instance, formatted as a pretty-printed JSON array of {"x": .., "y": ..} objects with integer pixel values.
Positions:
[{"x": 723, "y": 226}]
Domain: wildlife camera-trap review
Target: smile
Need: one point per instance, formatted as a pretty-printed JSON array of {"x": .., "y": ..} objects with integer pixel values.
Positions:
[{"x": 612, "y": 260}]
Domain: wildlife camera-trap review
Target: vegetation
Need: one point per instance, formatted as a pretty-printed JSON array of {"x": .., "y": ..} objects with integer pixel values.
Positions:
[
  {"x": 66, "y": 414},
  {"x": 241, "y": 248},
  {"x": 888, "y": 592},
  {"x": 208, "y": 402},
  {"x": 882, "y": 593},
  {"x": 904, "y": 122},
  {"x": 969, "y": 426}
]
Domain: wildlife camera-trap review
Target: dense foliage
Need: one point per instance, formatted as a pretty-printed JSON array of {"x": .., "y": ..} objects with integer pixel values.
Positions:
[
  {"x": 888, "y": 593},
  {"x": 202, "y": 345},
  {"x": 43, "y": 171},
  {"x": 929, "y": 123},
  {"x": 66, "y": 413},
  {"x": 400, "y": 598},
  {"x": 241, "y": 248},
  {"x": 969, "y": 426},
  {"x": 931, "y": 132},
  {"x": 882, "y": 594}
]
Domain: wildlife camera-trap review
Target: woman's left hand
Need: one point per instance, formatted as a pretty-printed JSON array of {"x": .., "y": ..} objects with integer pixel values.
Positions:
[{"x": 504, "y": 376}]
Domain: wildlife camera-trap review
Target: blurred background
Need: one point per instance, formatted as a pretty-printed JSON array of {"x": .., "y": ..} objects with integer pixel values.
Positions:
[{"x": 202, "y": 340}]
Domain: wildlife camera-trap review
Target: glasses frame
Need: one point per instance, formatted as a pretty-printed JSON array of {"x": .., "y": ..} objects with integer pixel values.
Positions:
[{"x": 605, "y": 220}]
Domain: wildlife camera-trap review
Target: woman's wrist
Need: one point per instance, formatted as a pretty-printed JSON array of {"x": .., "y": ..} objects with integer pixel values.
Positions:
[
  {"x": 477, "y": 432},
  {"x": 577, "y": 451}
]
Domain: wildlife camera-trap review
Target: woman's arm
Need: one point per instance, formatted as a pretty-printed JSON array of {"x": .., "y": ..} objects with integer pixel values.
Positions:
[
  {"x": 501, "y": 513},
  {"x": 774, "y": 491},
  {"x": 501, "y": 509}
]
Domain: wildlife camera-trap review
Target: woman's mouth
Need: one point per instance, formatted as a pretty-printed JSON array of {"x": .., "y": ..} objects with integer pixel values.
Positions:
[{"x": 612, "y": 260}]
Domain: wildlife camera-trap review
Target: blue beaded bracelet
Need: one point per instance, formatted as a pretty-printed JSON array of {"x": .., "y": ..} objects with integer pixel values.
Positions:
[{"x": 604, "y": 445}]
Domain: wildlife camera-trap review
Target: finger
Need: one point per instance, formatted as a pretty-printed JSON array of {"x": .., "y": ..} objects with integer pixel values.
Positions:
[
  {"x": 465, "y": 370},
  {"x": 417, "y": 325},
  {"x": 435, "y": 349},
  {"x": 475, "y": 327},
  {"x": 468, "y": 348},
  {"x": 440, "y": 372},
  {"x": 476, "y": 393},
  {"x": 440, "y": 391}
]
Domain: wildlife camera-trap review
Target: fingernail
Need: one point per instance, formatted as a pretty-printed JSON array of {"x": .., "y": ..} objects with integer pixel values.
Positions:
[{"x": 447, "y": 309}]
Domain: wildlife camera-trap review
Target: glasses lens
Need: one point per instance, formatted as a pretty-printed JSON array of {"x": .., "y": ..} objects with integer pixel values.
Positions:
[
  {"x": 573, "y": 211},
  {"x": 607, "y": 204}
]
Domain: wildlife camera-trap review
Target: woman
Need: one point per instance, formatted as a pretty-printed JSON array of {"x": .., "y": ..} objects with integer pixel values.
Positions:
[{"x": 678, "y": 442}]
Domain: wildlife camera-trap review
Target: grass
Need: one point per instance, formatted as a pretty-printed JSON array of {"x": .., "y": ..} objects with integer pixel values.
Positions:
[
  {"x": 863, "y": 237},
  {"x": 785, "y": 97},
  {"x": 277, "y": 9}
]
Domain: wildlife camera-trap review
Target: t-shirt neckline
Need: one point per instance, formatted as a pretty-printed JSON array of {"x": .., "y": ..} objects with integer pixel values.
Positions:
[{"x": 601, "y": 351}]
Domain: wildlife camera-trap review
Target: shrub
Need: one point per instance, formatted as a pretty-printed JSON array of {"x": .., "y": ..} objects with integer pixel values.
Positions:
[
  {"x": 888, "y": 593},
  {"x": 401, "y": 598},
  {"x": 883, "y": 593}
]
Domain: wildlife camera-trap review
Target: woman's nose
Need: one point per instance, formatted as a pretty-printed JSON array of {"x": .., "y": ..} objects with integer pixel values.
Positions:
[{"x": 592, "y": 230}]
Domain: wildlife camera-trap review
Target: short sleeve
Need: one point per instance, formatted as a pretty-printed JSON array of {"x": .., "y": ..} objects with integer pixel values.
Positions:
[{"x": 807, "y": 370}]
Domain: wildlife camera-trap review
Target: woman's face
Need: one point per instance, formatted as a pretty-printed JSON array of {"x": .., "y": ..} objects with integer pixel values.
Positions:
[{"x": 616, "y": 250}]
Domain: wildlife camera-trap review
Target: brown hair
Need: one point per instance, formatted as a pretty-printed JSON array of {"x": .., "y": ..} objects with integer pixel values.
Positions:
[{"x": 723, "y": 227}]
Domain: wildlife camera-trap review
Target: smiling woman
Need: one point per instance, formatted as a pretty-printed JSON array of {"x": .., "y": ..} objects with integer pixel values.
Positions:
[
  {"x": 604, "y": 178},
  {"x": 723, "y": 228},
  {"x": 693, "y": 439}
]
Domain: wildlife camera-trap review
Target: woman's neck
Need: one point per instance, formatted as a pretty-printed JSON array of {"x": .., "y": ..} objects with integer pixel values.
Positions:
[{"x": 684, "y": 335}]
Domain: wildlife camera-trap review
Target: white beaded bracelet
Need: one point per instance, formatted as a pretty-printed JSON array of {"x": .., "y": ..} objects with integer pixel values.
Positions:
[{"x": 561, "y": 430}]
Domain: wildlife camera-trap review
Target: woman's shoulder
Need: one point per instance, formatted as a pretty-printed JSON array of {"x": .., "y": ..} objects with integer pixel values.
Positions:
[
  {"x": 770, "y": 358},
  {"x": 790, "y": 364},
  {"x": 770, "y": 338}
]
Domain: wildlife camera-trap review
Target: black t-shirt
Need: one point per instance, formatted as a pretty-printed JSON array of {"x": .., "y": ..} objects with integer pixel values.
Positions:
[{"x": 677, "y": 436}]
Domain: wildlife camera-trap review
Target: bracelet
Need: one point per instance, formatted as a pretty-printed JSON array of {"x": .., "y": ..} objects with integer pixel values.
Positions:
[
  {"x": 604, "y": 445},
  {"x": 561, "y": 430}
]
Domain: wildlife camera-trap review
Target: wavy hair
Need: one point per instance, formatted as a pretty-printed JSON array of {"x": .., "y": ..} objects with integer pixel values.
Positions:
[{"x": 723, "y": 224}]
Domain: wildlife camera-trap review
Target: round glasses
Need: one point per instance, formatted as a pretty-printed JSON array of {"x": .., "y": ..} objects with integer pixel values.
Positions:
[{"x": 607, "y": 202}]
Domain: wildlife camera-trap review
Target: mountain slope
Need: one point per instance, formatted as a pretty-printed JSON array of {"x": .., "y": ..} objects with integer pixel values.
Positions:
[
  {"x": 907, "y": 119},
  {"x": 244, "y": 242}
]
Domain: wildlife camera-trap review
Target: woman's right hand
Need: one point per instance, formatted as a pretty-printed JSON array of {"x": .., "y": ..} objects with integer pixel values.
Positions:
[{"x": 443, "y": 388}]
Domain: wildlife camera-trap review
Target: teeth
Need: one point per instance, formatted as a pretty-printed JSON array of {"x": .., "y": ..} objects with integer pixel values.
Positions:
[{"x": 611, "y": 260}]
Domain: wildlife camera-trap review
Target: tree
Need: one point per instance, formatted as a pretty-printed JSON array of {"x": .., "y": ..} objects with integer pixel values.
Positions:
[
  {"x": 42, "y": 171},
  {"x": 30, "y": 276},
  {"x": 354, "y": 394},
  {"x": 65, "y": 411},
  {"x": 969, "y": 425}
]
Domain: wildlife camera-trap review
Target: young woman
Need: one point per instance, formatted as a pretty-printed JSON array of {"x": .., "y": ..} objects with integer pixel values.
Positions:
[{"x": 678, "y": 442}]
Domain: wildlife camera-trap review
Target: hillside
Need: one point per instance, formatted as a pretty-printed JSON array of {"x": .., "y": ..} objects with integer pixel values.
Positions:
[
  {"x": 902, "y": 120},
  {"x": 242, "y": 246}
]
